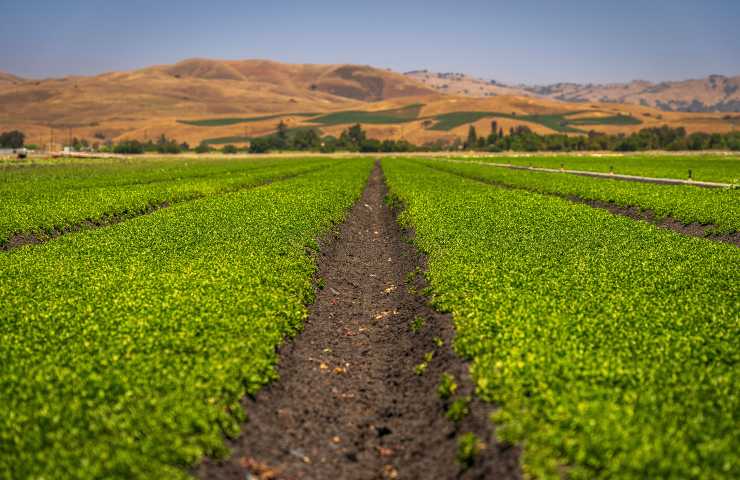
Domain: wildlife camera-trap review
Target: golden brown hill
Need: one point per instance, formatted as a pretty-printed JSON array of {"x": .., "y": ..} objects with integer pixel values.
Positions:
[
  {"x": 200, "y": 99},
  {"x": 8, "y": 78},
  {"x": 715, "y": 93},
  {"x": 113, "y": 104}
]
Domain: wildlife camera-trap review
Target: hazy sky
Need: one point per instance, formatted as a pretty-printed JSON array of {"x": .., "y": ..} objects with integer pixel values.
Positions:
[{"x": 532, "y": 41}]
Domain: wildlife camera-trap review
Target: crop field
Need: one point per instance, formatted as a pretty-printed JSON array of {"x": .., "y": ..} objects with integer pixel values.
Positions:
[
  {"x": 688, "y": 204},
  {"x": 611, "y": 346},
  {"x": 43, "y": 199},
  {"x": 710, "y": 168},
  {"x": 221, "y": 122},
  {"x": 352, "y": 317}
]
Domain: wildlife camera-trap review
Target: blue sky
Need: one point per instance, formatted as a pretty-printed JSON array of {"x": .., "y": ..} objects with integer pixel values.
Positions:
[{"x": 512, "y": 41}]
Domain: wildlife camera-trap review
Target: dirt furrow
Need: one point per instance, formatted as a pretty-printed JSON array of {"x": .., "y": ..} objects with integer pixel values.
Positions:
[{"x": 357, "y": 396}]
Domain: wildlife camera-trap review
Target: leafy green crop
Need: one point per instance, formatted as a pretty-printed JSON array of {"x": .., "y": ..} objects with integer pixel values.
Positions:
[
  {"x": 720, "y": 207},
  {"x": 611, "y": 346},
  {"x": 711, "y": 168},
  {"x": 124, "y": 351},
  {"x": 43, "y": 198}
]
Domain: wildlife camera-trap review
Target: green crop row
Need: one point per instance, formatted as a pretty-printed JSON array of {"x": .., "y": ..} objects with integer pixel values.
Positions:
[
  {"x": 710, "y": 168},
  {"x": 718, "y": 207},
  {"x": 610, "y": 346},
  {"x": 124, "y": 351},
  {"x": 41, "y": 199}
]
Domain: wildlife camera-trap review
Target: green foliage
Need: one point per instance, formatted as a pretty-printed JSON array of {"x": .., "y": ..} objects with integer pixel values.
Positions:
[
  {"x": 458, "y": 409},
  {"x": 417, "y": 324},
  {"x": 56, "y": 196},
  {"x": 610, "y": 346},
  {"x": 202, "y": 148},
  {"x": 468, "y": 447},
  {"x": 229, "y": 149},
  {"x": 129, "y": 147},
  {"x": 720, "y": 207},
  {"x": 12, "y": 139},
  {"x": 447, "y": 386},
  {"x": 422, "y": 367},
  {"x": 126, "y": 350},
  {"x": 167, "y": 145}
]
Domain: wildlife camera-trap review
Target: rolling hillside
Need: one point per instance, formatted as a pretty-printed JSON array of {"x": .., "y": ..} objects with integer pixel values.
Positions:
[
  {"x": 231, "y": 101},
  {"x": 715, "y": 93}
]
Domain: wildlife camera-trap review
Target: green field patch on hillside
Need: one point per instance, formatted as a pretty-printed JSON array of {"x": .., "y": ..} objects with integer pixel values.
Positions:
[
  {"x": 557, "y": 122},
  {"x": 613, "y": 120},
  {"x": 449, "y": 121},
  {"x": 221, "y": 122},
  {"x": 405, "y": 114},
  {"x": 243, "y": 139}
]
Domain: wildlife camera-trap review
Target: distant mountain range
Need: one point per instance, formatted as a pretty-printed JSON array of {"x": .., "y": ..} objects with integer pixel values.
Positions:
[{"x": 715, "y": 93}]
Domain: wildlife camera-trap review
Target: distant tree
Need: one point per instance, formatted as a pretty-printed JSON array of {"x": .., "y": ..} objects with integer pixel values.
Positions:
[
  {"x": 356, "y": 134},
  {"x": 260, "y": 145},
  {"x": 353, "y": 138},
  {"x": 494, "y": 128},
  {"x": 281, "y": 136},
  {"x": 202, "y": 147},
  {"x": 472, "y": 140},
  {"x": 12, "y": 139},
  {"x": 229, "y": 149},
  {"x": 129, "y": 147},
  {"x": 306, "y": 139},
  {"x": 371, "y": 145},
  {"x": 166, "y": 145},
  {"x": 328, "y": 144}
]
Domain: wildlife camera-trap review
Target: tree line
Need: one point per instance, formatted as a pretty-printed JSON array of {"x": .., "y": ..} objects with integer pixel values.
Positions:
[{"x": 355, "y": 139}]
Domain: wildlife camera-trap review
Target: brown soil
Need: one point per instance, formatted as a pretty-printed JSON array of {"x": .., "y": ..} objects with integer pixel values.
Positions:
[{"x": 349, "y": 404}]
